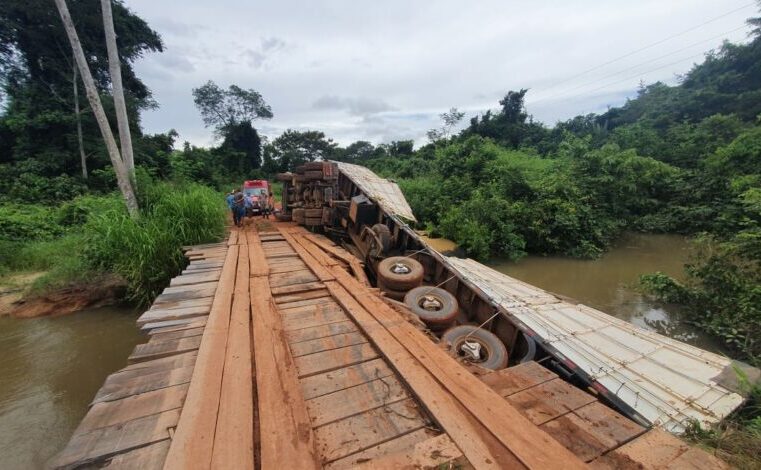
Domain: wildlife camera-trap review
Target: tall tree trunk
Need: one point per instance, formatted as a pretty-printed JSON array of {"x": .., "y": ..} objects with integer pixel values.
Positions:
[
  {"x": 115, "y": 70},
  {"x": 78, "y": 115},
  {"x": 122, "y": 174}
]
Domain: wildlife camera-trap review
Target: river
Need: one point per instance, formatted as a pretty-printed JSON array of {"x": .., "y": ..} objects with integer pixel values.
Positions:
[
  {"x": 50, "y": 369},
  {"x": 610, "y": 282}
]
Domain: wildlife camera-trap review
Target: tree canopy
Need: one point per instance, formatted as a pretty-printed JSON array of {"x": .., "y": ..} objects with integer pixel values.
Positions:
[{"x": 222, "y": 109}]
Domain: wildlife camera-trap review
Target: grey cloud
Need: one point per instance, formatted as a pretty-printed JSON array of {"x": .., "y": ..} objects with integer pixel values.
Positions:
[
  {"x": 354, "y": 106},
  {"x": 267, "y": 49},
  {"x": 384, "y": 71}
]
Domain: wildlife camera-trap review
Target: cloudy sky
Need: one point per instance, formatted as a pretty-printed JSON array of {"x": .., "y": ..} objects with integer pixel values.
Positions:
[{"x": 384, "y": 70}]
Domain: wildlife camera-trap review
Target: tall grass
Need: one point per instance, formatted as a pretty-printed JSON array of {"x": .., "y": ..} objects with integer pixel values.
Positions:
[{"x": 146, "y": 251}]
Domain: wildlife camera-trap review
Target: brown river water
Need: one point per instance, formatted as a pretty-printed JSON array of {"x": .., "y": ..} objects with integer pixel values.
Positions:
[{"x": 50, "y": 368}]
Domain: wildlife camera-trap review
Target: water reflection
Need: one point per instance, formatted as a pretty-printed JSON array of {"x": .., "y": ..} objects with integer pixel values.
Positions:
[
  {"x": 609, "y": 283},
  {"x": 51, "y": 369}
]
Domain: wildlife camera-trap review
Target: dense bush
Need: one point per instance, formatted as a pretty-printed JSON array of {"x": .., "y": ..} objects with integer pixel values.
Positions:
[
  {"x": 146, "y": 251},
  {"x": 28, "y": 222}
]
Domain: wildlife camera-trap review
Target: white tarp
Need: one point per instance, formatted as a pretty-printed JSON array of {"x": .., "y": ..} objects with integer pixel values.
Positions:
[
  {"x": 666, "y": 381},
  {"x": 386, "y": 193}
]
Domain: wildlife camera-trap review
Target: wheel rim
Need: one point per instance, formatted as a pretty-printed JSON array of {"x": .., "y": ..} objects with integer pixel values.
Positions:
[
  {"x": 400, "y": 268},
  {"x": 472, "y": 350},
  {"x": 430, "y": 303}
]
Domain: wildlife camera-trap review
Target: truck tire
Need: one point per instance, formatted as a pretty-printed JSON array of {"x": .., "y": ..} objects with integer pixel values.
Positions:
[
  {"x": 436, "y": 307},
  {"x": 397, "y": 295},
  {"x": 400, "y": 273},
  {"x": 313, "y": 221},
  {"x": 311, "y": 175},
  {"x": 283, "y": 217},
  {"x": 493, "y": 354},
  {"x": 313, "y": 213}
]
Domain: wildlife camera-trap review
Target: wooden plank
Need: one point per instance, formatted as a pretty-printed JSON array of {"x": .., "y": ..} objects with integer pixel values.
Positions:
[
  {"x": 368, "y": 429},
  {"x": 105, "y": 442},
  {"x": 340, "y": 254},
  {"x": 435, "y": 452},
  {"x": 185, "y": 295},
  {"x": 191, "y": 288},
  {"x": 199, "y": 278},
  {"x": 137, "y": 406},
  {"x": 186, "y": 333},
  {"x": 293, "y": 277},
  {"x": 152, "y": 316},
  {"x": 609, "y": 426},
  {"x": 165, "y": 363},
  {"x": 334, "y": 359},
  {"x": 122, "y": 386},
  {"x": 145, "y": 352},
  {"x": 312, "y": 316},
  {"x": 353, "y": 400},
  {"x": 150, "y": 457},
  {"x": 399, "y": 444},
  {"x": 198, "y": 322},
  {"x": 299, "y": 296},
  {"x": 193, "y": 322},
  {"x": 202, "y": 302},
  {"x": 529, "y": 444},
  {"x": 305, "y": 304},
  {"x": 345, "y": 377},
  {"x": 234, "y": 436},
  {"x": 549, "y": 400},
  {"x": 256, "y": 260},
  {"x": 192, "y": 442},
  {"x": 315, "y": 332},
  {"x": 294, "y": 288},
  {"x": 319, "y": 270},
  {"x": 654, "y": 449},
  {"x": 233, "y": 238},
  {"x": 327, "y": 343},
  {"x": 517, "y": 378},
  {"x": 281, "y": 406}
]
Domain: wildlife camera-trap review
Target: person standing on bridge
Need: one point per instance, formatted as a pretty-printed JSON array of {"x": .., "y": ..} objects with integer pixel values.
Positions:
[{"x": 239, "y": 208}]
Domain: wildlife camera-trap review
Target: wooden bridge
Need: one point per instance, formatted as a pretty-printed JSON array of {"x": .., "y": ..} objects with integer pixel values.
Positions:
[{"x": 271, "y": 350}]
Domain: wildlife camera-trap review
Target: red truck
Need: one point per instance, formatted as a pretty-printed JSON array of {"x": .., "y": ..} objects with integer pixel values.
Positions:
[{"x": 256, "y": 191}]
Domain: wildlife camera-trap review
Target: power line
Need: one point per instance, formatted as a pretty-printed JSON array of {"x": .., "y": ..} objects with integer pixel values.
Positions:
[
  {"x": 630, "y": 77},
  {"x": 650, "y": 45},
  {"x": 584, "y": 85}
]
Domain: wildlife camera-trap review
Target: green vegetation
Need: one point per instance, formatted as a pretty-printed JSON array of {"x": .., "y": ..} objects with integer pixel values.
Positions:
[{"x": 146, "y": 251}]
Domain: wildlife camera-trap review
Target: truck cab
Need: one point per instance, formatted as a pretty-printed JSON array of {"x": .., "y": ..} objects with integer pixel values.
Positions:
[{"x": 256, "y": 192}]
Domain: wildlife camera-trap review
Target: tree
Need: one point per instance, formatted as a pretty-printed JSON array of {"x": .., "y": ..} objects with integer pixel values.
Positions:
[
  {"x": 122, "y": 173},
  {"x": 449, "y": 121},
  {"x": 37, "y": 73},
  {"x": 243, "y": 146},
  {"x": 115, "y": 70},
  {"x": 223, "y": 109},
  {"x": 293, "y": 148}
]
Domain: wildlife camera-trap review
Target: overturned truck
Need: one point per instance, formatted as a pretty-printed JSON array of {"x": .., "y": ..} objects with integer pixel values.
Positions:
[{"x": 495, "y": 321}]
